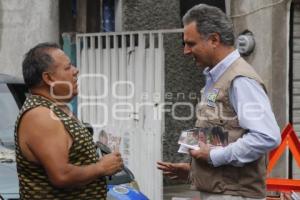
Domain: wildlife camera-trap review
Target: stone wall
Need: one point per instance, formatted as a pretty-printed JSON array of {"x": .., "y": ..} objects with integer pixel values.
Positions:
[{"x": 23, "y": 24}]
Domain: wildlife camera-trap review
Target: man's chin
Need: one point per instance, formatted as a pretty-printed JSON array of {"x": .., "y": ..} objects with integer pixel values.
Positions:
[
  {"x": 200, "y": 65},
  {"x": 75, "y": 92},
  {"x": 68, "y": 98}
]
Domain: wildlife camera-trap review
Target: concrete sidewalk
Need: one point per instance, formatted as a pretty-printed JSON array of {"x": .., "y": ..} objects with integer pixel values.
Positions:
[
  {"x": 183, "y": 192},
  {"x": 180, "y": 192}
]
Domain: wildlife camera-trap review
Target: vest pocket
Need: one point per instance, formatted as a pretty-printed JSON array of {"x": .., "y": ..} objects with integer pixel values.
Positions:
[
  {"x": 206, "y": 178},
  {"x": 231, "y": 177}
]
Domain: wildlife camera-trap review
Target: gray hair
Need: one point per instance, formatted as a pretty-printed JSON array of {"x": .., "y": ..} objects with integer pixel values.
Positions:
[
  {"x": 37, "y": 60},
  {"x": 210, "y": 19}
]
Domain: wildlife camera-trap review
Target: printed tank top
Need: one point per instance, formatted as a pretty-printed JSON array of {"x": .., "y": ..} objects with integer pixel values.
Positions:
[{"x": 33, "y": 180}]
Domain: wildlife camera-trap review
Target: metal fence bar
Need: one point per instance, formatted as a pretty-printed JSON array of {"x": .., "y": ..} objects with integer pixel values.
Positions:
[{"x": 163, "y": 31}]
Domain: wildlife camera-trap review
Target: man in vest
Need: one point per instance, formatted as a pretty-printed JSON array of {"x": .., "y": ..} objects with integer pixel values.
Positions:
[
  {"x": 56, "y": 156},
  {"x": 235, "y": 99}
]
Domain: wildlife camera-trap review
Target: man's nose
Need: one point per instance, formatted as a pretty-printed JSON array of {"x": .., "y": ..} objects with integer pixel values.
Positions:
[
  {"x": 76, "y": 70},
  {"x": 186, "y": 50}
]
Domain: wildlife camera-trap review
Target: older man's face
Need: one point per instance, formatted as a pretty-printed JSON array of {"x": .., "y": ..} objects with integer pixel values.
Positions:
[
  {"x": 197, "y": 46},
  {"x": 64, "y": 76}
]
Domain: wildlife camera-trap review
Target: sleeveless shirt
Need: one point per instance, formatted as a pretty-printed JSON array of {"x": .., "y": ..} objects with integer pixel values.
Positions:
[{"x": 33, "y": 180}]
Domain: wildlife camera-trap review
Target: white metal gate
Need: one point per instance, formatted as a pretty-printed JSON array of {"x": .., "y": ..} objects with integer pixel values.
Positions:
[{"x": 121, "y": 94}]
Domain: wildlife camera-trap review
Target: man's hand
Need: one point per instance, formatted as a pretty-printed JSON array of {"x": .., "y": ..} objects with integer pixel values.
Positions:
[
  {"x": 202, "y": 153},
  {"x": 174, "y": 170},
  {"x": 111, "y": 164}
]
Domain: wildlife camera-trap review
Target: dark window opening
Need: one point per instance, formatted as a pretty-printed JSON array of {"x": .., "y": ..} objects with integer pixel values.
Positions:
[{"x": 185, "y": 5}]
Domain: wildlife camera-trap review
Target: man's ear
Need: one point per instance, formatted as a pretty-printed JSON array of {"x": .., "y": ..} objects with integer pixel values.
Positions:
[
  {"x": 46, "y": 76},
  {"x": 215, "y": 39}
]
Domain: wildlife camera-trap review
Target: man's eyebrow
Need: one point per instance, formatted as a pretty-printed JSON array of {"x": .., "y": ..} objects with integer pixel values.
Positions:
[
  {"x": 188, "y": 42},
  {"x": 68, "y": 64}
]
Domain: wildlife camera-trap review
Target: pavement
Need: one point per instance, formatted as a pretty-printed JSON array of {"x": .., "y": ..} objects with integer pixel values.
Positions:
[
  {"x": 183, "y": 192},
  {"x": 179, "y": 192}
]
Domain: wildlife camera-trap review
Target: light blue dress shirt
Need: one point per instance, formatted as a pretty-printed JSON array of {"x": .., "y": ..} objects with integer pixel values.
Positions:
[{"x": 255, "y": 114}]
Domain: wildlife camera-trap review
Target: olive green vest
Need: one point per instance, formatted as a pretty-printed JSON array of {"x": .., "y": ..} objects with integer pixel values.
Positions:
[
  {"x": 216, "y": 110},
  {"x": 33, "y": 180}
]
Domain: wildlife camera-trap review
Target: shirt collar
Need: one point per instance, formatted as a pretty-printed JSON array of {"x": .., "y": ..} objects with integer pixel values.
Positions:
[{"x": 222, "y": 66}]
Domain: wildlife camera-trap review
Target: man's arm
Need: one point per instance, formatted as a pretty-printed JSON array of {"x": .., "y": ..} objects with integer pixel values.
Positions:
[
  {"x": 175, "y": 170},
  {"x": 44, "y": 140},
  {"x": 254, "y": 114}
]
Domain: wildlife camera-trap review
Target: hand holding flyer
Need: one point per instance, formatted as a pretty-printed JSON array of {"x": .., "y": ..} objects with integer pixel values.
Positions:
[
  {"x": 184, "y": 149},
  {"x": 190, "y": 139}
]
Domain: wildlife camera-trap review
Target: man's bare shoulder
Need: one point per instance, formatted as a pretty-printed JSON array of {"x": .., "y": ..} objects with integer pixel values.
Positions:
[
  {"x": 42, "y": 137},
  {"x": 39, "y": 114},
  {"x": 40, "y": 118}
]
